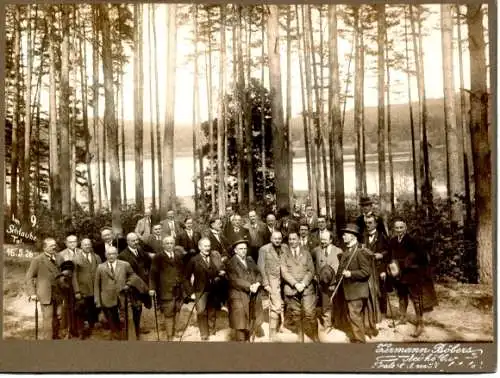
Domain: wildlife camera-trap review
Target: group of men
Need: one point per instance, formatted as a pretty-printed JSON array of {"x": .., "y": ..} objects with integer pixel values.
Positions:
[{"x": 231, "y": 266}]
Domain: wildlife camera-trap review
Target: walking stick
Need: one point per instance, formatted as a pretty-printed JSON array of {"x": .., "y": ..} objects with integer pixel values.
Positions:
[
  {"x": 190, "y": 315},
  {"x": 36, "y": 318},
  {"x": 156, "y": 319},
  {"x": 126, "y": 316},
  {"x": 388, "y": 299},
  {"x": 269, "y": 316}
]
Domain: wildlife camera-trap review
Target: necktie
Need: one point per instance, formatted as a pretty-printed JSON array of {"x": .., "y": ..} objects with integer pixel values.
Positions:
[
  {"x": 325, "y": 251},
  {"x": 111, "y": 268},
  {"x": 207, "y": 260},
  {"x": 89, "y": 257}
]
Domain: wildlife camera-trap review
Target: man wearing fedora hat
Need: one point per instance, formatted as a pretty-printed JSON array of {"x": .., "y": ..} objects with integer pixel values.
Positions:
[
  {"x": 366, "y": 205},
  {"x": 354, "y": 272},
  {"x": 245, "y": 301}
]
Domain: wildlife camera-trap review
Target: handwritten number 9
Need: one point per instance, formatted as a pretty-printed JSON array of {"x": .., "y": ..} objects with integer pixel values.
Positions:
[{"x": 33, "y": 220}]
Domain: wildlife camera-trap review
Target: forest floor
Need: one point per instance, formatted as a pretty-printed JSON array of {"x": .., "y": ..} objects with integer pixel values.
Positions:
[{"x": 464, "y": 314}]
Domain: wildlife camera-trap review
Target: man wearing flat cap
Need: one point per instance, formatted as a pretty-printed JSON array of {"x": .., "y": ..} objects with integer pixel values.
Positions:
[
  {"x": 245, "y": 301},
  {"x": 352, "y": 297},
  {"x": 366, "y": 205}
]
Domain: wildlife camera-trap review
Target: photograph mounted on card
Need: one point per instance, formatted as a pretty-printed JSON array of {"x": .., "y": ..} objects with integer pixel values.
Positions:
[{"x": 278, "y": 181}]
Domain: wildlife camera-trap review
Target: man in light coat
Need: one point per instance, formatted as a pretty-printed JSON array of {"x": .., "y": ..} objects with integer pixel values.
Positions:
[
  {"x": 297, "y": 271},
  {"x": 326, "y": 258}
]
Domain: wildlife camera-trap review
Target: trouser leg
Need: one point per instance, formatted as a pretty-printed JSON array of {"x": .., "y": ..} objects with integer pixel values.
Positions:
[
  {"x": 416, "y": 298},
  {"x": 309, "y": 316},
  {"x": 356, "y": 319},
  {"x": 49, "y": 319},
  {"x": 136, "y": 316},
  {"x": 113, "y": 316},
  {"x": 326, "y": 308},
  {"x": 403, "y": 294},
  {"x": 383, "y": 297},
  {"x": 202, "y": 314}
]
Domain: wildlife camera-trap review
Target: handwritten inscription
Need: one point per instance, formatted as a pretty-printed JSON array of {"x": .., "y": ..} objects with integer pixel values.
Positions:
[
  {"x": 19, "y": 252},
  {"x": 438, "y": 356},
  {"x": 18, "y": 235}
]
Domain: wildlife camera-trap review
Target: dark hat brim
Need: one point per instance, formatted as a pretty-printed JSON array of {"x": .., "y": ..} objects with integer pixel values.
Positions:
[
  {"x": 241, "y": 241},
  {"x": 67, "y": 265},
  {"x": 350, "y": 231}
]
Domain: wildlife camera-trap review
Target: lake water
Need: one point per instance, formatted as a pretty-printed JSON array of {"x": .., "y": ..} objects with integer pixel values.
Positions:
[{"x": 183, "y": 166}]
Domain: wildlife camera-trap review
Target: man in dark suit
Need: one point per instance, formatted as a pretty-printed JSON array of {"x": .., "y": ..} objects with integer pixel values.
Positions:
[
  {"x": 297, "y": 271},
  {"x": 86, "y": 262},
  {"x": 112, "y": 281},
  {"x": 188, "y": 239},
  {"x": 170, "y": 226},
  {"x": 109, "y": 239},
  {"x": 235, "y": 231},
  {"x": 271, "y": 226},
  {"x": 245, "y": 301},
  {"x": 256, "y": 235},
  {"x": 153, "y": 242},
  {"x": 69, "y": 253},
  {"x": 217, "y": 241},
  {"x": 413, "y": 276},
  {"x": 287, "y": 224},
  {"x": 167, "y": 283},
  {"x": 366, "y": 205},
  {"x": 227, "y": 218},
  {"x": 40, "y": 283},
  {"x": 205, "y": 268},
  {"x": 311, "y": 219},
  {"x": 354, "y": 271},
  {"x": 377, "y": 243},
  {"x": 307, "y": 240},
  {"x": 140, "y": 262}
]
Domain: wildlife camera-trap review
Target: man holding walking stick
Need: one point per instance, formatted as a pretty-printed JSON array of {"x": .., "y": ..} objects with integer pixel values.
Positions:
[
  {"x": 41, "y": 281},
  {"x": 166, "y": 283}
]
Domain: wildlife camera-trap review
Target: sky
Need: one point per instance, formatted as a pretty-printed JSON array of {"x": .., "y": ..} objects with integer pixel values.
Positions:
[{"x": 184, "y": 70}]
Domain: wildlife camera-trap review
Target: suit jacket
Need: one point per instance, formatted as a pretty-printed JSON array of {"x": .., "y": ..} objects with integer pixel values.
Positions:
[
  {"x": 167, "y": 229},
  {"x": 119, "y": 243},
  {"x": 190, "y": 244},
  {"x": 222, "y": 247},
  {"x": 143, "y": 227},
  {"x": 204, "y": 274},
  {"x": 288, "y": 225},
  {"x": 257, "y": 235},
  {"x": 66, "y": 255},
  {"x": 320, "y": 260},
  {"x": 152, "y": 245},
  {"x": 312, "y": 222},
  {"x": 85, "y": 272},
  {"x": 312, "y": 242},
  {"x": 270, "y": 264},
  {"x": 107, "y": 286},
  {"x": 378, "y": 245},
  {"x": 240, "y": 278},
  {"x": 41, "y": 278},
  {"x": 356, "y": 286},
  {"x": 140, "y": 264},
  {"x": 411, "y": 258},
  {"x": 267, "y": 234},
  {"x": 360, "y": 221},
  {"x": 167, "y": 276},
  {"x": 295, "y": 270},
  {"x": 232, "y": 236}
]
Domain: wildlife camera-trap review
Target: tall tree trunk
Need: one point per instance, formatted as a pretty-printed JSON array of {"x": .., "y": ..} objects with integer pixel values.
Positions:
[
  {"x": 138, "y": 109},
  {"x": 248, "y": 117},
  {"x": 453, "y": 136},
  {"x": 95, "y": 101},
  {"x": 122, "y": 127},
  {"x": 362, "y": 151},
  {"x": 168, "y": 193},
  {"x": 157, "y": 108},
  {"x": 151, "y": 122},
  {"x": 64, "y": 116},
  {"x": 221, "y": 118},
  {"x": 111, "y": 126},
  {"x": 196, "y": 151},
  {"x": 320, "y": 142},
  {"x": 280, "y": 154},
  {"x": 72, "y": 123},
  {"x": 240, "y": 128},
  {"x": 289, "y": 98},
  {"x": 481, "y": 143},
  {"x": 335, "y": 120},
  {"x": 310, "y": 112},
  {"x": 15, "y": 147},
  {"x": 358, "y": 105},
  {"x": 414, "y": 151},
  {"x": 463, "y": 126},
  {"x": 389, "y": 125},
  {"x": 381, "y": 109},
  {"x": 262, "y": 113},
  {"x": 211, "y": 154},
  {"x": 83, "y": 79}
]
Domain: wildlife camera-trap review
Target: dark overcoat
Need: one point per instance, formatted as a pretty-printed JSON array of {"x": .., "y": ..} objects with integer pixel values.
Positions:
[{"x": 245, "y": 308}]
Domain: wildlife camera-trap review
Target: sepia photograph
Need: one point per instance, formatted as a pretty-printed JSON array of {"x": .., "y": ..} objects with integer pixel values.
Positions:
[{"x": 251, "y": 173}]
